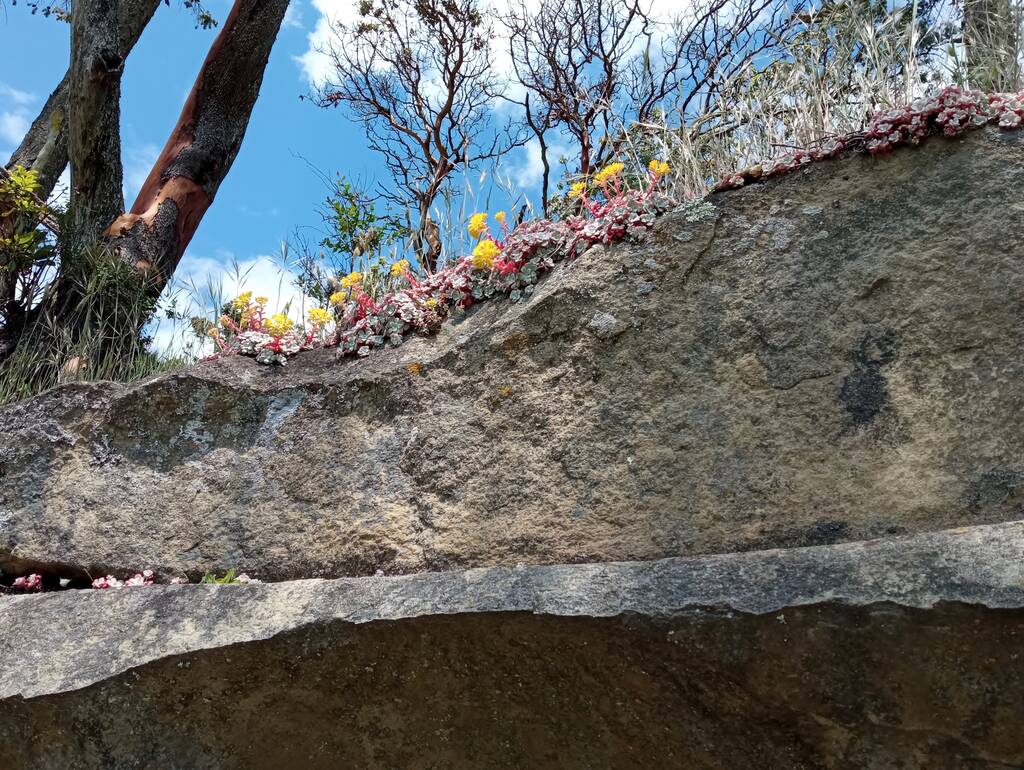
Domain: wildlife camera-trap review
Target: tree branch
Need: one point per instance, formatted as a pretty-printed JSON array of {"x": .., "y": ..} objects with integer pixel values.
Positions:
[
  {"x": 203, "y": 145},
  {"x": 44, "y": 148}
]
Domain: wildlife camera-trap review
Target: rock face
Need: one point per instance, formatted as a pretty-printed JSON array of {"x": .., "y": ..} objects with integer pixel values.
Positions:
[
  {"x": 715, "y": 416},
  {"x": 889, "y": 654},
  {"x": 830, "y": 357}
]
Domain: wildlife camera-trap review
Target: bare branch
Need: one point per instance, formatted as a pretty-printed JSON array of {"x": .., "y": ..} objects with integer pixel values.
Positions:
[
  {"x": 594, "y": 66},
  {"x": 417, "y": 74}
]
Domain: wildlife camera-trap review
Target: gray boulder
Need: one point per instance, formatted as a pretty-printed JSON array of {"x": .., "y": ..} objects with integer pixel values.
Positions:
[{"x": 832, "y": 356}]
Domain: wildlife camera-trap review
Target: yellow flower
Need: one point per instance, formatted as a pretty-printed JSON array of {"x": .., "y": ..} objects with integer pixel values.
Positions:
[
  {"x": 226, "y": 321},
  {"x": 431, "y": 302},
  {"x": 213, "y": 332},
  {"x": 484, "y": 254},
  {"x": 319, "y": 317},
  {"x": 477, "y": 225},
  {"x": 577, "y": 190},
  {"x": 609, "y": 172},
  {"x": 277, "y": 325},
  {"x": 401, "y": 267},
  {"x": 262, "y": 300},
  {"x": 500, "y": 217},
  {"x": 241, "y": 302},
  {"x": 351, "y": 280},
  {"x": 659, "y": 168},
  {"x": 338, "y": 298}
]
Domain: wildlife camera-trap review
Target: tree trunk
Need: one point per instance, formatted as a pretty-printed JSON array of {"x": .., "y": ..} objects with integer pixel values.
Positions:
[
  {"x": 45, "y": 146},
  {"x": 198, "y": 155},
  {"x": 538, "y": 131},
  {"x": 91, "y": 315},
  {"x": 584, "y": 153},
  {"x": 95, "y": 117},
  {"x": 426, "y": 239},
  {"x": 45, "y": 149}
]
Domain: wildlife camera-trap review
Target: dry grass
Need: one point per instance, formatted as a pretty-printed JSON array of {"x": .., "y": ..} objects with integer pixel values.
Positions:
[{"x": 837, "y": 66}]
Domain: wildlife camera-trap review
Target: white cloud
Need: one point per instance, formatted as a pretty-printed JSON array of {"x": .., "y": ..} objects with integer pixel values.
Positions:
[
  {"x": 15, "y": 96},
  {"x": 15, "y": 117},
  {"x": 666, "y": 10},
  {"x": 264, "y": 276},
  {"x": 315, "y": 63},
  {"x": 526, "y": 170},
  {"x": 138, "y": 162},
  {"x": 293, "y": 16},
  {"x": 171, "y": 338},
  {"x": 13, "y": 125}
]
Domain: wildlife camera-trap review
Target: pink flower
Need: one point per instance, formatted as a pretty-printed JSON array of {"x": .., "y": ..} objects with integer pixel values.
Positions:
[
  {"x": 144, "y": 578},
  {"x": 33, "y": 582},
  {"x": 243, "y": 578},
  {"x": 107, "y": 582}
]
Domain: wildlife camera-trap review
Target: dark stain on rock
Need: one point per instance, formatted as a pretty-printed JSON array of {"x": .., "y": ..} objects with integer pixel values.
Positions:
[
  {"x": 826, "y": 533},
  {"x": 864, "y": 393},
  {"x": 991, "y": 488},
  {"x": 821, "y": 533}
]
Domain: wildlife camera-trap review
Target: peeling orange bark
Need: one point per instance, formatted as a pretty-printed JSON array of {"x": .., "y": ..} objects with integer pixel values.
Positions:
[
  {"x": 190, "y": 199},
  {"x": 183, "y": 182}
]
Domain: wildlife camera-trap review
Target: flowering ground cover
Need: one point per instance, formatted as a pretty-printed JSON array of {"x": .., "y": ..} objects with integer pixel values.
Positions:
[
  {"x": 951, "y": 112},
  {"x": 508, "y": 262},
  {"x": 34, "y": 582}
]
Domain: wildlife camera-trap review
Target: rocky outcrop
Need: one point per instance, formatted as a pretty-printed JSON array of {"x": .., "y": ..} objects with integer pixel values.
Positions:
[
  {"x": 828, "y": 357},
  {"x": 897, "y": 653},
  {"x": 743, "y": 495}
]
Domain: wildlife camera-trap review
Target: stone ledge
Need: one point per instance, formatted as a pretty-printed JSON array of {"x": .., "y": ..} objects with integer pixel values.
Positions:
[{"x": 59, "y": 642}]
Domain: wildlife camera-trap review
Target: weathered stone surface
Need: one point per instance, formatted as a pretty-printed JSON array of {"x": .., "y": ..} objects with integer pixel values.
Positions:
[
  {"x": 833, "y": 356},
  {"x": 901, "y": 653}
]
